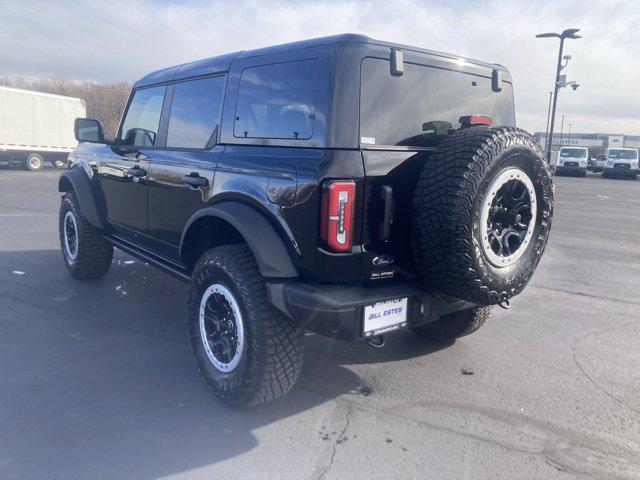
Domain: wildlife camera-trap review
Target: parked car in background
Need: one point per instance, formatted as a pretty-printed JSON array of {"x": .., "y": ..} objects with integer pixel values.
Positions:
[
  {"x": 572, "y": 160},
  {"x": 37, "y": 127},
  {"x": 621, "y": 162}
]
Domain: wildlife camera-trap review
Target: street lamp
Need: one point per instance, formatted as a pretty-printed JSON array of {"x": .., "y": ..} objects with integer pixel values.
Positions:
[
  {"x": 546, "y": 130},
  {"x": 560, "y": 82}
]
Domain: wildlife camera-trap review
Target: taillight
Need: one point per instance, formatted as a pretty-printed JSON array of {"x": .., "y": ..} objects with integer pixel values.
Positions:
[
  {"x": 471, "y": 120},
  {"x": 336, "y": 224}
]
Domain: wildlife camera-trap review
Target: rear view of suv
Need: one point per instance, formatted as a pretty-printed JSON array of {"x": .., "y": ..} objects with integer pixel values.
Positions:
[
  {"x": 346, "y": 186},
  {"x": 621, "y": 162},
  {"x": 573, "y": 160}
]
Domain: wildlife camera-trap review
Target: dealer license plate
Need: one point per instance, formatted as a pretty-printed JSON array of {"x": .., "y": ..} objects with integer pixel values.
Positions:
[{"x": 385, "y": 317}]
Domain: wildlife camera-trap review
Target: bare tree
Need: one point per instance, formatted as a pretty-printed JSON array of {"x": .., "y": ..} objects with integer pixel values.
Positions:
[{"x": 104, "y": 101}]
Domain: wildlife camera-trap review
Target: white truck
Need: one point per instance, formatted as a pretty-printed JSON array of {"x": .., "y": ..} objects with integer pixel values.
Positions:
[{"x": 37, "y": 127}]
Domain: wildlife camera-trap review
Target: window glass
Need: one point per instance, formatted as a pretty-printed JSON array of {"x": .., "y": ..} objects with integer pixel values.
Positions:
[
  {"x": 277, "y": 101},
  {"x": 140, "y": 126},
  {"x": 623, "y": 154},
  {"x": 195, "y": 112},
  {"x": 420, "y": 107},
  {"x": 573, "y": 152}
]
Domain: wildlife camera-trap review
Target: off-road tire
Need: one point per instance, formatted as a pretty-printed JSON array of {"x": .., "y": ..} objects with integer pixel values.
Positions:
[
  {"x": 273, "y": 344},
  {"x": 33, "y": 162},
  {"x": 446, "y": 213},
  {"x": 455, "y": 325},
  {"x": 94, "y": 253}
]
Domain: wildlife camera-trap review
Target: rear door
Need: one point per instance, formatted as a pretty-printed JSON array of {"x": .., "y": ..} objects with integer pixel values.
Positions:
[
  {"x": 181, "y": 173},
  {"x": 123, "y": 170},
  {"x": 403, "y": 118}
]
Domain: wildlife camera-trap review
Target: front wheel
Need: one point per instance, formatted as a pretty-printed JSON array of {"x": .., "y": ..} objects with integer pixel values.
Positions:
[
  {"x": 245, "y": 349},
  {"x": 86, "y": 254},
  {"x": 455, "y": 325}
]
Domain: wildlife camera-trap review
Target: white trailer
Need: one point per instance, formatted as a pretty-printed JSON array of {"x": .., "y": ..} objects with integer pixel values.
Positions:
[{"x": 37, "y": 127}]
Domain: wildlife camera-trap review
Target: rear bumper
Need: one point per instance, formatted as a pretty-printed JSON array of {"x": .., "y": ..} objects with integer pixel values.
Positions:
[{"x": 337, "y": 311}]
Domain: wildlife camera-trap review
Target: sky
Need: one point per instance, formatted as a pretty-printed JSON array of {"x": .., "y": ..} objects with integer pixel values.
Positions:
[{"x": 123, "y": 40}]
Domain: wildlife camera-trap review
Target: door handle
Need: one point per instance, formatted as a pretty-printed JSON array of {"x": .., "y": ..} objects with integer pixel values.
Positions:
[
  {"x": 195, "y": 180},
  {"x": 136, "y": 171}
]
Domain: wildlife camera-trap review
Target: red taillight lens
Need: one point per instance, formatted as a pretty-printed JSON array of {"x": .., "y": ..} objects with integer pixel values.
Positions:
[
  {"x": 336, "y": 224},
  {"x": 471, "y": 120}
]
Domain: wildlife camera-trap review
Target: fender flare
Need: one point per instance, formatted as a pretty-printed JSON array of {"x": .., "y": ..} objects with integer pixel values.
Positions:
[
  {"x": 268, "y": 248},
  {"x": 78, "y": 181}
]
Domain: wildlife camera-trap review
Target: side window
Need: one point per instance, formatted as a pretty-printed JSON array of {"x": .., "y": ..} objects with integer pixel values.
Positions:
[
  {"x": 277, "y": 101},
  {"x": 195, "y": 112},
  {"x": 140, "y": 126}
]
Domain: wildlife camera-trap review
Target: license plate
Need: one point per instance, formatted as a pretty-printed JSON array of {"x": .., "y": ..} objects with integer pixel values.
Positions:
[{"x": 385, "y": 317}]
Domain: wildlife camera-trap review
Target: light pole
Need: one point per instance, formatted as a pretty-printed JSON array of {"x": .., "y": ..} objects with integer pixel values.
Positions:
[
  {"x": 561, "y": 130},
  {"x": 559, "y": 83},
  {"x": 569, "y": 135},
  {"x": 546, "y": 130}
]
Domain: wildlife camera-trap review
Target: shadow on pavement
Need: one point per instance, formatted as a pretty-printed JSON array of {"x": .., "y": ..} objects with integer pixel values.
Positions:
[{"x": 97, "y": 380}]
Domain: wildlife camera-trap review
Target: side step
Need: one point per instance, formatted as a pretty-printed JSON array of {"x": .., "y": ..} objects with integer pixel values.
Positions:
[{"x": 148, "y": 257}]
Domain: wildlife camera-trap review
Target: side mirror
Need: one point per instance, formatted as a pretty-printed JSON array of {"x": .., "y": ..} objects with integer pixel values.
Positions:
[{"x": 88, "y": 130}]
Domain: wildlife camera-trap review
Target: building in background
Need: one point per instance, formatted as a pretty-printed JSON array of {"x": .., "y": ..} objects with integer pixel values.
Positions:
[
  {"x": 603, "y": 140},
  {"x": 595, "y": 142}
]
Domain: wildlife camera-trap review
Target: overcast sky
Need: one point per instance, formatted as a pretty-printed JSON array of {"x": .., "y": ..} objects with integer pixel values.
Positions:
[{"x": 122, "y": 40}]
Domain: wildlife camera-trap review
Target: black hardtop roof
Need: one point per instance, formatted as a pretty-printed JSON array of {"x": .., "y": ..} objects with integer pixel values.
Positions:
[{"x": 222, "y": 63}]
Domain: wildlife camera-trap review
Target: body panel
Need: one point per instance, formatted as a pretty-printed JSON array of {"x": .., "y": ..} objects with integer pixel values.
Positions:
[{"x": 171, "y": 202}]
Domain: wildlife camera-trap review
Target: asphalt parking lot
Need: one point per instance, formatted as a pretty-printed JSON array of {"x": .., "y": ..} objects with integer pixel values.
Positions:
[{"x": 97, "y": 380}]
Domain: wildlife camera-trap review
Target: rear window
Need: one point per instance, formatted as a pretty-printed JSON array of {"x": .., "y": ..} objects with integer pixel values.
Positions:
[
  {"x": 623, "y": 154},
  {"x": 573, "y": 152},
  {"x": 277, "y": 101},
  {"x": 420, "y": 107}
]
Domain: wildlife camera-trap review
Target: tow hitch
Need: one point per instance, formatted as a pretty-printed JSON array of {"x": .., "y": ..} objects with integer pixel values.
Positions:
[{"x": 376, "y": 342}]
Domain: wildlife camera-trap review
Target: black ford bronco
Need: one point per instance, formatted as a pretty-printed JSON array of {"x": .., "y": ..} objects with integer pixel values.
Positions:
[{"x": 343, "y": 185}]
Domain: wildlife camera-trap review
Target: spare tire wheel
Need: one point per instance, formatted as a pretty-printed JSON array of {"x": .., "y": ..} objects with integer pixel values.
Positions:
[{"x": 482, "y": 213}]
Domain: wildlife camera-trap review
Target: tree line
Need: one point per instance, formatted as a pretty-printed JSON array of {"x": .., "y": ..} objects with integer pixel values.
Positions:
[{"x": 105, "y": 101}]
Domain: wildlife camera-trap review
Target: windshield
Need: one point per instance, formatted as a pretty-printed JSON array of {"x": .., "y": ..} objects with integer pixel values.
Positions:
[
  {"x": 422, "y": 106},
  {"x": 573, "y": 152},
  {"x": 623, "y": 154}
]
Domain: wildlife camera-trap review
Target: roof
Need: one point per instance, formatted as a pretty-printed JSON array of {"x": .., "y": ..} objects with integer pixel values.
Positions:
[
  {"x": 223, "y": 62},
  {"x": 40, "y": 94}
]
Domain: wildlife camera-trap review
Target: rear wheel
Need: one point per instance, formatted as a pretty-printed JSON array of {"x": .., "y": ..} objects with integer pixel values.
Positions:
[
  {"x": 247, "y": 351},
  {"x": 482, "y": 213},
  {"x": 86, "y": 254},
  {"x": 455, "y": 325},
  {"x": 33, "y": 162},
  {"x": 60, "y": 163}
]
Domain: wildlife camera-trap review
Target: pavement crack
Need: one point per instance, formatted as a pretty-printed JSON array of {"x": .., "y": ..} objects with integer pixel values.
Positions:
[
  {"x": 583, "y": 294},
  {"x": 338, "y": 441},
  {"x": 584, "y": 372}
]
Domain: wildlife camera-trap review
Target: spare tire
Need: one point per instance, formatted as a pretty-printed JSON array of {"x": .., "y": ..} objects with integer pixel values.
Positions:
[{"x": 482, "y": 214}]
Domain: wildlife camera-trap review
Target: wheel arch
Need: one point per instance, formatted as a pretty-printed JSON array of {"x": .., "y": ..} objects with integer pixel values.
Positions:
[
  {"x": 234, "y": 222},
  {"x": 77, "y": 181}
]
